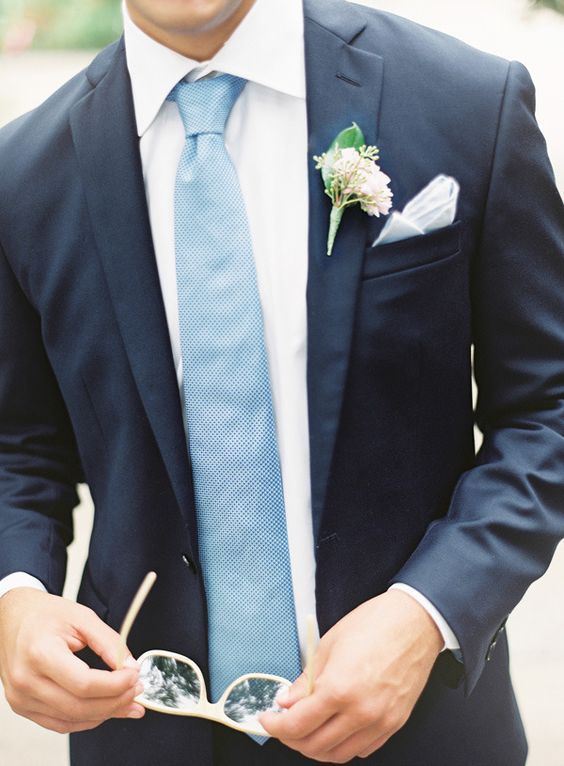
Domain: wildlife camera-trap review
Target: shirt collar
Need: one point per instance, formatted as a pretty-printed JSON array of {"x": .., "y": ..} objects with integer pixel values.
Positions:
[{"x": 266, "y": 48}]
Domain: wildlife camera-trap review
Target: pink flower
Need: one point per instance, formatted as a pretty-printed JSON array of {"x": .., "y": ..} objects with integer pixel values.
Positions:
[
  {"x": 350, "y": 162},
  {"x": 377, "y": 192},
  {"x": 359, "y": 177}
]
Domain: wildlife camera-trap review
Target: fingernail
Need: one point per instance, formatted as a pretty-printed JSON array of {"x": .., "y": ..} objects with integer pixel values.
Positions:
[
  {"x": 136, "y": 712},
  {"x": 139, "y": 689},
  {"x": 132, "y": 663},
  {"x": 283, "y": 696}
]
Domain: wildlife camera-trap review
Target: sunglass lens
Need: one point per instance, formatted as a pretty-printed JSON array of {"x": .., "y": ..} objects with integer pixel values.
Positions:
[
  {"x": 170, "y": 683},
  {"x": 250, "y": 698}
]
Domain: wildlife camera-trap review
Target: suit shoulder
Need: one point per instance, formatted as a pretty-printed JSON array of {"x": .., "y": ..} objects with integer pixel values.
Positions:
[
  {"x": 420, "y": 52},
  {"x": 41, "y": 130}
]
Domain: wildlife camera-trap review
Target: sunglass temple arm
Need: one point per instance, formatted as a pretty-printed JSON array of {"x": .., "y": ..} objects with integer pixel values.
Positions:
[{"x": 130, "y": 617}]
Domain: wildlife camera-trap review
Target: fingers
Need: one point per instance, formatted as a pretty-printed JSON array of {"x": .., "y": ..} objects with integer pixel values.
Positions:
[
  {"x": 297, "y": 691},
  {"x": 102, "y": 639},
  {"x": 361, "y": 744},
  {"x": 54, "y": 660},
  {"x": 70, "y": 713},
  {"x": 52, "y": 701},
  {"x": 65, "y": 727},
  {"x": 352, "y": 731},
  {"x": 376, "y": 745},
  {"x": 331, "y": 736},
  {"x": 302, "y": 718},
  {"x": 340, "y": 740}
]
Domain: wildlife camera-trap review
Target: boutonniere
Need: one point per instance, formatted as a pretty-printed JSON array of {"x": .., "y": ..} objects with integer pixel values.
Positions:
[{"x": 352, "y": 177}]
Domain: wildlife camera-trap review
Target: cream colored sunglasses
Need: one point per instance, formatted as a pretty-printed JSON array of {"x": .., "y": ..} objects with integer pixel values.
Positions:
[{"x": 174, "y": 684}]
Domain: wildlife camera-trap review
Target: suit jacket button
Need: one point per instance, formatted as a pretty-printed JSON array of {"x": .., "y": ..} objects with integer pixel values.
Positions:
[{"x": 189, "y": 563}]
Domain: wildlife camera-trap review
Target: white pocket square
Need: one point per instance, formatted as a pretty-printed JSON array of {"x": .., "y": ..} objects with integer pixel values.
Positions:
[{"x": 433, "y": 208}]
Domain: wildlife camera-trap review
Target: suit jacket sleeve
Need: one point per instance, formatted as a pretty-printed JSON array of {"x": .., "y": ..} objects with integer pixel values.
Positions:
[
  {"x": 39, "y": 467},
  {"x": 507, "y": 513}
]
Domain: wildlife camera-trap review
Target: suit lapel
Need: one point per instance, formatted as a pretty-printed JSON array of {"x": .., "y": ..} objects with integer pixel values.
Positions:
[
  {"x": 343, "y": 85},
  {"x": 105, "y": 139}
]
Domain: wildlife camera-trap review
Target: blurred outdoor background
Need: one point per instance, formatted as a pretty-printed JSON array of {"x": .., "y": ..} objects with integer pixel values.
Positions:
[{"x": 44, "y": 42}]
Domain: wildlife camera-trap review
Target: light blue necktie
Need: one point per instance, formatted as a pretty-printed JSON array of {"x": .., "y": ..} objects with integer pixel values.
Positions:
[{"x": 243, "y": 540}]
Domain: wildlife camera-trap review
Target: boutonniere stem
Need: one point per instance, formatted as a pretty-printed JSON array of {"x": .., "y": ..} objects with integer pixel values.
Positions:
[{"x": 352, "y": 176}]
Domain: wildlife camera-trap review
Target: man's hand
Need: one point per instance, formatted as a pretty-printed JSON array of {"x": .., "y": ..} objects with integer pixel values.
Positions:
[
  {"x": 43, "y": 679},
  {"x": 370, "y": 669}
]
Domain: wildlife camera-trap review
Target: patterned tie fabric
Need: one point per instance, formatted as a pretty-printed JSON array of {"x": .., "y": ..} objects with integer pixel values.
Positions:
[{"x": 243, "y": 541}]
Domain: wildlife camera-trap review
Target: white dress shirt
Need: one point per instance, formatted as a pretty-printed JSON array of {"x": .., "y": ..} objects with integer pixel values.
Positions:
[{"x": 266, "y": 137}]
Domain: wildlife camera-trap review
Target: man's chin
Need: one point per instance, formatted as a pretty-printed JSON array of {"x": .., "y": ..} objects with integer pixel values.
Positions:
[{"x": 186, "y": 17}]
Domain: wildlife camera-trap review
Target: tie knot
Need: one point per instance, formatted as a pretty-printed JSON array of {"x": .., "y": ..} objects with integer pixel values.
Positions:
[{"x": 205, "y": 105}]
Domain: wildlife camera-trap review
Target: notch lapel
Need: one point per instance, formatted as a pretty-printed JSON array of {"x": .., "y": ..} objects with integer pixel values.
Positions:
[
  {"x": 106, "y": 143},
  {"x": 343, "y": 85}
]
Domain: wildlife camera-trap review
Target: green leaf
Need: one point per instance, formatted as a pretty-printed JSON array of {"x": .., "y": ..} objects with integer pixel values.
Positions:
[{"x": 349, "y": 138}]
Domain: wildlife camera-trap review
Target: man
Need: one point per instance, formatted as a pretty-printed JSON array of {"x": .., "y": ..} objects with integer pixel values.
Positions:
[{"x": 357, "y": 390}]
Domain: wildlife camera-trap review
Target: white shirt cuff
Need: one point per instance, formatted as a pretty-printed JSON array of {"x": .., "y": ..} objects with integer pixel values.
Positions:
[
  {"x": 451, "y": 642},
  {"x": 19, "y": 580}
]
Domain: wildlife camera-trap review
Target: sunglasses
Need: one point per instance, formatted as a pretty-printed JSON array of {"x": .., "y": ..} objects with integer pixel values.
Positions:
[{"x": 174, "y": 684}]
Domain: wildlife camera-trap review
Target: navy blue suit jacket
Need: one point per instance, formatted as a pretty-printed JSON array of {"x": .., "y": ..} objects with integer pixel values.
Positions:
[{"x": 88, "y": 390}]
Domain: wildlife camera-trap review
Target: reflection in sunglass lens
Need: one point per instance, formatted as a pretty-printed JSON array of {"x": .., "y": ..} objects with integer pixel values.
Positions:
[
  {"x": 250, "y": 698},
  {"x": 170, "y": 683}
]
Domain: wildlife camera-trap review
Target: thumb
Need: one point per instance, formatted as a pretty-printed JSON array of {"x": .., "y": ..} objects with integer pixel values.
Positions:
[{"x": 296, "y": 692}]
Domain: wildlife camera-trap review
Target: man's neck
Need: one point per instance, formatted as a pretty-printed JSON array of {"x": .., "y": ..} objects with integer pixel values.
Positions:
[{"x": 200, "y": 45}]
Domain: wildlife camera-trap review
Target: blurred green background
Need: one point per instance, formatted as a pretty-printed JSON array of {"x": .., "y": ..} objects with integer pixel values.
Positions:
[
  {"x": 80, "y": 24},
  {"x": 61, "y": 23},
  {"x": 558, "y": 5}
]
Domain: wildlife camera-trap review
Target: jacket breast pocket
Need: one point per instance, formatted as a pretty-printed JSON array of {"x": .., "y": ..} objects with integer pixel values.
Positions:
[{"x": 413, "y": 253}]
